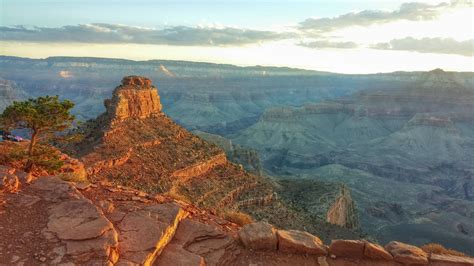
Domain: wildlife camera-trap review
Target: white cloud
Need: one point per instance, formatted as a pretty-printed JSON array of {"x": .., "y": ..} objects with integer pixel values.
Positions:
[
  {"x": 414, "y": 11},
  {"x": 329, "y": 44},
  {"x": 430, "y": 45},
  {"x": 115, "y": 33}
]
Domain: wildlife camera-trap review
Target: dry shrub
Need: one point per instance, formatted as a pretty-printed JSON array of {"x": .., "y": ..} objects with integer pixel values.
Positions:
[
  {"x": 73, "y": 177},
  {"x": 179, "y": 197},
  {"x": 237, "y": 217},
  {"x": 439, "y": 249}
]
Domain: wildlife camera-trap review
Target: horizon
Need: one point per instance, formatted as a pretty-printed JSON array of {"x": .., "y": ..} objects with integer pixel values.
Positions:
[
  {"x": 350, "y": 37},
  {"x": 235, "y": 65}
]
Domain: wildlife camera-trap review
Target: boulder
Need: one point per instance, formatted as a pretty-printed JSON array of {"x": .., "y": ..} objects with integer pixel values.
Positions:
[
  {"x": 259, "y": 236},
  {"x": 347, "y": 248},
  {"x": 407, "y": 254},
  {"x": 376, "y": 252},
  {"x": 299, "y": 242}
]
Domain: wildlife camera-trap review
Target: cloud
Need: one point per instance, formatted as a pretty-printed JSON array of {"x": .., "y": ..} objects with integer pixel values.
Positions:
[
  {"x": 407, "y": 11},
  {"x": 329, "y": 44},
  {"x": 113, "y": 33},
  {"x": 430, "y": 45}
]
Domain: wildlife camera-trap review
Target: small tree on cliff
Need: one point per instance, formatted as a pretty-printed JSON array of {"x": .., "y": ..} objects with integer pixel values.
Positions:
[{"x": 44, "y": 117}]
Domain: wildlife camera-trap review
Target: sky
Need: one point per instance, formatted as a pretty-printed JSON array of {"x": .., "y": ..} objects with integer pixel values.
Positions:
[{"x": 344, "y": 36}]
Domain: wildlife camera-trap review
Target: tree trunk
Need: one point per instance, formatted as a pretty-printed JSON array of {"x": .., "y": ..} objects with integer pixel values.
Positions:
[{"x": 29, "y": 163}]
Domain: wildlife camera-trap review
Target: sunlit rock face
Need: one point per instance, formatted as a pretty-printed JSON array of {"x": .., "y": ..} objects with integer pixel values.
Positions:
[{"x": 135, "y": 98}]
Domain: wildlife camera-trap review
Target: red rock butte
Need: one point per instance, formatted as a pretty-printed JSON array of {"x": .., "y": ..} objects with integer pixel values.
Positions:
[{"x": 135, "y": 98}]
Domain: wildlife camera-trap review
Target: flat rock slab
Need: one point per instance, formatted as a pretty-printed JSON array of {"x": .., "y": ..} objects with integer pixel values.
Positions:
[
  {"x": 207, "y": 241},
  {"x": 145, "y": 232},
  {"x": 77, "y": 219},
  {"x": 77, "y": 227},
  {"x": 176, "y": 255},
  {"x": 54, "y": 189},
  {"x": 259, "y": 236},
  {"x": 299, "y": 242},
  {"x": 101, "y": 248},
  {"x": 407, "y": 254},
  {"x": 347, "y": 248},
  {"x": 449, "y": 260},
  {"x": 327, "y": 261}
]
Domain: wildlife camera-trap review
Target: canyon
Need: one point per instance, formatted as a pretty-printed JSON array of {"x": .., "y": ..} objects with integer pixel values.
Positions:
[
  {"x": 399, "y": 142},
  {"x": 133, "y": 143},
  {"x": 405, "y": 154}
]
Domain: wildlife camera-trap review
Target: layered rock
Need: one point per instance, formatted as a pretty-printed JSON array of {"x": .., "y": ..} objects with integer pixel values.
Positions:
[
  {"x": 202, "y": 167},
  {"x": 135, "y": 98}
]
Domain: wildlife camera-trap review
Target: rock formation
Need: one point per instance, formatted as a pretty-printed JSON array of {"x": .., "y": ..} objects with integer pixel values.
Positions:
[
  {"x": 343, "y": 212},
  {"x": 135, "y": 98},
  {"x": 135, "y": 145}
]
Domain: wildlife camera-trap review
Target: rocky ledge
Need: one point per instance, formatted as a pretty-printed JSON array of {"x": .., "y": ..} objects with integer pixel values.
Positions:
[{"x": 48, "y": 221}]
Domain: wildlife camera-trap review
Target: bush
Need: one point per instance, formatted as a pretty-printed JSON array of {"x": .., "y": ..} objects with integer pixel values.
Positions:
[
  {"x": 439, "y": 249},
  {"x": 237, "y": 217},
  {"x": 73, "y": 177},
  {"x": 175, "y": 195}
]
